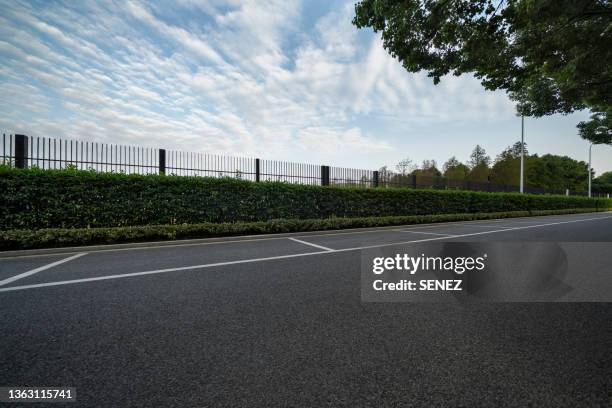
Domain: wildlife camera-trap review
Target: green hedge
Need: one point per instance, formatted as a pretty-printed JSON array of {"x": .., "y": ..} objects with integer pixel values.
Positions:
[
  {"x": 57, "y": 237},
  {"x": 33, "y": 199}
]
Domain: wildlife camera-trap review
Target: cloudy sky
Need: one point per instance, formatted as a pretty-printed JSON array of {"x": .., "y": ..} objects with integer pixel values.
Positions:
[{"x": 285, "y": 80}]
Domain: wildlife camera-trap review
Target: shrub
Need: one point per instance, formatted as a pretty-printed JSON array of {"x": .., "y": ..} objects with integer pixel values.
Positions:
[
  {"x": 58, "y": 237},
  {"x": 34, "y": 199}
]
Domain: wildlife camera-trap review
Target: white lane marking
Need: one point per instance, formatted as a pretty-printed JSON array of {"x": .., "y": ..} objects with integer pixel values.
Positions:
[
  {"x": 272, "y": 258},
  {"x": 269, "y": 237},
  {"x": 311, "y": 244},
  {"x": 423, "y": 232},
  {"x": 462, "y": 225},
  {"x": 497, "y": 226},
  {"x": 39, "y": 269},
  {"x": 181, "y": 268}
]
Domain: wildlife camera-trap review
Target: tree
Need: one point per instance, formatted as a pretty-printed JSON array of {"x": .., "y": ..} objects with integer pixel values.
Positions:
[
  {"x": 550, "y": 56},
  {"x": 603, "y": 183},
  {"x": 479, "y": 157},
  {"x": 479, "y": 173},
  {"x": 384, "y": 176},
  {"x": 512, "y": 152},
  {"x": 507, "y": 166},
  {"x": 597, "y": 130},
  {"x": 605, "y": 177},
  {"x": 455, "y": 170},
  {"x": 557, "y": 173},
  {"x": 405, "y": 167},
  {"x": 479, "y": 165},
  {"x": 429, "y": 168}
]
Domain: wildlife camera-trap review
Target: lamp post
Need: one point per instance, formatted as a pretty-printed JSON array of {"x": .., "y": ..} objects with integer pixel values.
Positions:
[
  {"x": 523, "y": 153},
  {"x": 590, "y": 172}
]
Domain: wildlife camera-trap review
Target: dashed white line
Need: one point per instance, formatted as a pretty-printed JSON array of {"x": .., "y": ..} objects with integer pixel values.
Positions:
[
  {"x": 311, "y": 244},
  {"x": 271, "y": 258},
  {"x": 39, "y": 269}
]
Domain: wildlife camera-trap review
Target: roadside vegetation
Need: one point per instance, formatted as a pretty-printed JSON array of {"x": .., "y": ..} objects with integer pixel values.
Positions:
[
  {"x": 550, "y": 172},
  {"x": 46, "y": 208},
  {"x": 68, "y": 237},
  {"x": 34, "y": 199}
]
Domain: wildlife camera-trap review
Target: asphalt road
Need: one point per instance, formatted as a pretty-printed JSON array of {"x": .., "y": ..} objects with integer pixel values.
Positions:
[{"x": 279, "y": 321}]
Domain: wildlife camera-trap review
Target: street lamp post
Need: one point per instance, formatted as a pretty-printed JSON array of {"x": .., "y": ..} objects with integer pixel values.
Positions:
[
  {"x": 590, "y": 172},
  {"x": 523, "y": 153}
]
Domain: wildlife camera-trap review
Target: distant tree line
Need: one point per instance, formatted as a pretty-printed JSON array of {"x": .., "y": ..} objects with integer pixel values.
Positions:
[{"x": 548, "y": 171}]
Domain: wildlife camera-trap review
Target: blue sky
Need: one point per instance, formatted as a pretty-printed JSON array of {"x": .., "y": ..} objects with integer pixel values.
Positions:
[{"x": 285, "y": 80}]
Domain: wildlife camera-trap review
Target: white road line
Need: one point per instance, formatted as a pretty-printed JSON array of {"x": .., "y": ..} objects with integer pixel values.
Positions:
[
  {"x": 464, "y": 225},
  {"x": 272, "y": 258},
  {"x": 181, "y": 268},
  {"x": 483, "y": 226},
  {"x": 39, "y": 269},
  {"x": 311, "y": 244},
  {"x": 423, "y": 232}
]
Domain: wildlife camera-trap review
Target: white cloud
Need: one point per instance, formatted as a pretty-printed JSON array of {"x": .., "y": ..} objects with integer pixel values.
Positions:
[
  {"x": 334, "y": 140},
  {"x": 250, "y": 79}
]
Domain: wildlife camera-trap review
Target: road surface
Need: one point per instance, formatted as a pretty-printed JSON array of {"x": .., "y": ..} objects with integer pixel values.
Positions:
[{"x": 279, "y": 321}]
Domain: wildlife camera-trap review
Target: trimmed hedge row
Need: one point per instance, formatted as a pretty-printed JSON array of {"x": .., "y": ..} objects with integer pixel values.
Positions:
[
  {"x": 33, "y": 199},
  {"x": 48, "y": 238}
]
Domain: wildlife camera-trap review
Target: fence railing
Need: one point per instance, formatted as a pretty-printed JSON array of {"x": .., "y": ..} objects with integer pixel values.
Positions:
[{"x": 23, "y": 151}]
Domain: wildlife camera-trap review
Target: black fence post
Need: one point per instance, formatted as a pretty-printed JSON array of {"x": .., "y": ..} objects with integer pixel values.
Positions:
[
  {"x": 325, "y": 175},
  {"x": 375, "y": 178},
  {"x": 21, "y": 151},
  {"x": 257, "y": 171},
  {"x": 414, "y": 181},
  {"x": 162, "y": 161}
]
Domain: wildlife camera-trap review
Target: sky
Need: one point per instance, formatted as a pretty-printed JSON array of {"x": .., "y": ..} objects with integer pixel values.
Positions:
[{"x": 282, "y": 80}]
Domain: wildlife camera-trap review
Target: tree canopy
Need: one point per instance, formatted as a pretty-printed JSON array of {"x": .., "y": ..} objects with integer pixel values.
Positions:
[
  {"x": 506, "y": 169},
  {"x": 603, "y": 183},
  {"x": 429, "y": 168},
  {"x": 551, "y": 172},
  {"x": 479, "y": 157},
  {"x": 454, "y": 169},
  {"x": 550, "y": 56},
  {"x": 557, "y": 172}
]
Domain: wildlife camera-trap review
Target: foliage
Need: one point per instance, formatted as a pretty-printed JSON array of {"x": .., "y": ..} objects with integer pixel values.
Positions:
[
  {"x": 605, "y": 177},
  {"x": 455, "y": 170},
  {"x": 599, "y": 129},
  {"x": 36, "y": 198},
  {"x": 551, "y": 56},
  {"x": 479, "y": 173},
  {"x": 429, "y": 168},
  {"x": 507, "y": 166},
  {"x": 507, "y": 171},
  {"x": 405, "y": 167},
  {"x": 479, "y": 157},
  {"x": 557, "y": 172},
  {"x": 46, "y": 238},
  {"x": 603, "y": 183}
]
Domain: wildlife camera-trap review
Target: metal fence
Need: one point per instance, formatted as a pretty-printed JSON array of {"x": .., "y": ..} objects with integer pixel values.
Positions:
[{"x": 23, "y": 151}]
